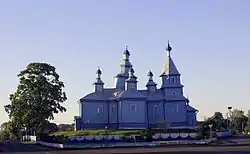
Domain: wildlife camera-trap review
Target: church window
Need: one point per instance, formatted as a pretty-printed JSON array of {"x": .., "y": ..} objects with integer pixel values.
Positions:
[
  {"x": 172, "y": 80},
  {"x": 99, "y": 88},
  {"x": 175, "y": 108},
  {"x": 100, "y": 109},
  {"x": 113, "y": 108},
  {"x": 133, "y": 107},
  {"x": 152, "y": 88},
  {"x": 173, "y": 92},
  {"x": 131, "y": 85},
  {"x": 155, "y": 109}
]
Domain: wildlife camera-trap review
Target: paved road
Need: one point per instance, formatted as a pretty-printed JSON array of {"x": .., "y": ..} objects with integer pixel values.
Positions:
[
  {"x": 34, "y": 149},
  {"x": 17, "y": 147}
]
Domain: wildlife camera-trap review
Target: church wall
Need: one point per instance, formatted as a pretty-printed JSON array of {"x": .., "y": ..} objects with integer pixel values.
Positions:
[
  {"x": 174, "y": 92},
  {"x": 176, "y": 78},
  {"x": 191, "y": 118},
  {"x": 132, "y": 111},
  {"x": 113, "y": 109},
  {"x": 155, "y": 112},
  {"x": 175, "y": 112},
  {"x": 78, "y": 123},
  {"x": 120, "y": 83},
  {"x": 171, "y": 80},
  {"x": 95, "y": 112}
]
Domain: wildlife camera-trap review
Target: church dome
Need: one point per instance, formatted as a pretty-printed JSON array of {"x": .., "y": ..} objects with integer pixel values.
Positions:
[
  {"x": 98, "y": 71},
  {"x": 150, "y": 73}
]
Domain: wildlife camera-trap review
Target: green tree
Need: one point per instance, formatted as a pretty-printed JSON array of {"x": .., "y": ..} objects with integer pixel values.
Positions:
[
  {"x": 239, "y": 120},
  {"x": 38, "y": 97},
  {"x": 4, "y": 135},
  {"x": 218, "y": 122},
  {"x": 4, "y": 126},
  {"x": 247, "y": 128}
]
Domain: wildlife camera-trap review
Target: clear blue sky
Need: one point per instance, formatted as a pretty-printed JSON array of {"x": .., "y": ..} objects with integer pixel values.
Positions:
[{"x": 210, "y": 40}]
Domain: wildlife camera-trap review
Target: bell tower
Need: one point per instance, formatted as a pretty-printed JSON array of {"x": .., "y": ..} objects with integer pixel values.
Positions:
[
  {"x": 99, "y": 83},
  {"x": 132, "y": 80},
  {"x": 171, "y": 83},
  {"x": 124, "y": 70},
  {"x": 151, "y": 85}
]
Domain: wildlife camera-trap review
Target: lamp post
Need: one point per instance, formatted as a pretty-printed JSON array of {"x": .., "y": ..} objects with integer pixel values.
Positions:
[
  {"x": 230, "y": 117},
  {"x": 210, "y": 132},
  {"x": 107, "y": 135}
]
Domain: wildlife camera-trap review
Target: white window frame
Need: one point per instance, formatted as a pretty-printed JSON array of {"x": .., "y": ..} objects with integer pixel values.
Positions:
[
  {"x": 133, "y": 107},
  {"x": 100, "y": 109}
]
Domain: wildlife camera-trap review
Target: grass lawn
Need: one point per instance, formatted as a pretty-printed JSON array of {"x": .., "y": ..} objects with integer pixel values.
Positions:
[
  {"x": 116, "y": 132},
  {"x": 96, "y": 132},
  {"x": 28, "y": 142}
]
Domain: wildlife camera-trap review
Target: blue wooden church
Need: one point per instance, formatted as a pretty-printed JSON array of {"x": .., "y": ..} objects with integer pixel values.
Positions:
[{"x": 127, "y": 107}]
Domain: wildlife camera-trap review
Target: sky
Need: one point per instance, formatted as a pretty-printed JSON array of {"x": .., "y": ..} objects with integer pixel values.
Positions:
[{"x": 210, "y": 41}]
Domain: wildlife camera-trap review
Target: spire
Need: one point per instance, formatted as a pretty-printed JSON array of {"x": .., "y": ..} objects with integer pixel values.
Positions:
[
  {"x": 126, "y": 54},
  {"x": 131, "y": 74},
  {"x": 150, "y": 80},
  {"x": 169, "y": 48},
  {"x": 125, "y": 65},
  {"x": 169, "y": 66},
  {"x": 98, "y": 73},
  {"x": 150, "y": 75},
  {"x": 98, "y": 76},
  {"x": 132, "y": 80}
]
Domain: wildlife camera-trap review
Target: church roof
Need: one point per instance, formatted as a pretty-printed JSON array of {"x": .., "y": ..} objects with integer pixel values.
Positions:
[
  {"x": 157, "y": 95},
  {"x": 169, "y": 67},
  {"x": 191, "y": 109},
  {"x": 132, "y": 94},
  {"x": 105, "y": 95},
  {"x": 113, "y": 93}
]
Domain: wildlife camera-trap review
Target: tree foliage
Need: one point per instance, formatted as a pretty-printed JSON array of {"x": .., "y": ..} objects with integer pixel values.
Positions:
[
  {"x": 239, "y": 120},
  {"x": 219, "y": 124},
  {"x": 218, "y": 121},
  {"x": 247, "y": 128},
  {"x": 38, "y": 97},
  {"x": 4, "y": 126},
  {"x": 4, "y": 135}
]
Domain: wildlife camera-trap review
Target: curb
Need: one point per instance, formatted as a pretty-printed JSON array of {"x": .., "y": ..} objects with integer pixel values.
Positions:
[{"x": 155, "y": 146}]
